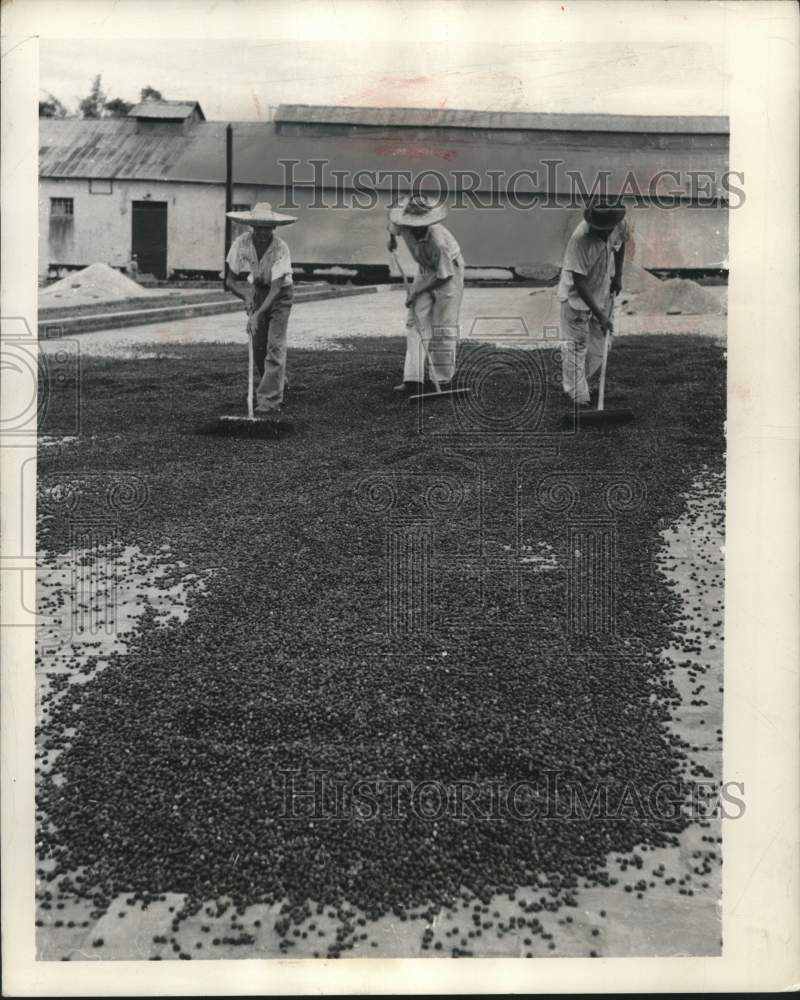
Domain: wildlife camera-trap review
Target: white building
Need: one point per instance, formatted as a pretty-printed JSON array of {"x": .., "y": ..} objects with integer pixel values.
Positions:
[{"x": 111, "y": 188}]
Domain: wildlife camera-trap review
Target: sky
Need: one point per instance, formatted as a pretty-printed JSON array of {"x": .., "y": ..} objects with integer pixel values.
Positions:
[{"x": 240, "y": 78}]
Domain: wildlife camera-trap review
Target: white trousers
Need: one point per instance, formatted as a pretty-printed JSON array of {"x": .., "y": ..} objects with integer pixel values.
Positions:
[
  {"x": 433, "y": 321},
  {"x": 581, "y": 351}
]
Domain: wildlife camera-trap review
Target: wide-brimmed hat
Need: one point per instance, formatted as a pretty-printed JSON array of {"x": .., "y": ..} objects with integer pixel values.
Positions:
[
  {"x": 417, "y": 211},
  {"x": 604, "y": 215},
  {"x": 262, "y": 215}
]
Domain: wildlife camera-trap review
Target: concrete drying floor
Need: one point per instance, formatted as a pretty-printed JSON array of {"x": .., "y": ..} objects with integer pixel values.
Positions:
[
  {"x": 677, "y": 913},
  {"x": 679, "y": 918}
]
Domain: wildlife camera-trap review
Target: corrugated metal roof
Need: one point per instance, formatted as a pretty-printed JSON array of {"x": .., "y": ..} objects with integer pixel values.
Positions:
[
  {"x": 258, "y": 155},
  {"x": 176, "y": 110},
  {"x": 511, "y": 120},
  {"x": 110, "y": 148},
  {"x": 113, "y": 148}
]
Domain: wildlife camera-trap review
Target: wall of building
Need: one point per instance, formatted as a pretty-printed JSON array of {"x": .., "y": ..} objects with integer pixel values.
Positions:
[
  {"x": 100, "y": 227},
  {"x": 680, "y": 237}
]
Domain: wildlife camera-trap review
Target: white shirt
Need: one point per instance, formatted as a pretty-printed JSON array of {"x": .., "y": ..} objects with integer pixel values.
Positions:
[
  {"x": 593, "y": 257},
  {"x": 437, "y": 254},
  {"x": 274, "y": 265}
]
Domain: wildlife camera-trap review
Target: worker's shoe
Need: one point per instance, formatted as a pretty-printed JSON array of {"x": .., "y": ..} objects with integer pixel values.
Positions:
[{"x": 409, "y": 388}]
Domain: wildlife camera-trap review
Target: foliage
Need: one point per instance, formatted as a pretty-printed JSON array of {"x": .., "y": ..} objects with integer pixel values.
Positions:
[
  {"x": 92, "y": 105},
  {"x": 96, "y": 104},
  {"x": 52, "y": 108},
  {"x": 117, "y": 108}
]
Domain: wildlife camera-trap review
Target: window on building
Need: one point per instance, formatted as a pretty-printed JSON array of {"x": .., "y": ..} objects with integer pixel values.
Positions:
[
  {"x": 99, "y": 186},
  {"x": 61, "y": 208}
]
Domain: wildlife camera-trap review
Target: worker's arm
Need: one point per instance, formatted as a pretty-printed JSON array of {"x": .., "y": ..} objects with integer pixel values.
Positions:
[
  {"x": 279, "y": 280},
  {"x": 238, "y": 284},
  {"x": 394, "y": 232},
  {"x": 619, "y": 261},
  {"x": 582, "y": 288},
  {"x": 444, "y": 271},
  {"x": 426, "y": 284},
  {"x": 275, "y": 288}
]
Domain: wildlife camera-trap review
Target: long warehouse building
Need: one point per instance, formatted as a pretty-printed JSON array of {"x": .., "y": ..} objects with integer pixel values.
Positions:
[{"x": 153, "y": 185}]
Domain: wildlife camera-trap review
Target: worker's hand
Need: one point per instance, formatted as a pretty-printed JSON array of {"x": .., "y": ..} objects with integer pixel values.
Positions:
[
  {"x": 616, "y": 285},
  {"x": 606, "y": 325},
  {"x": 410, "y": 299},
  {"x": 392, "y": 244},
  {"x": 251, "y": 325}
]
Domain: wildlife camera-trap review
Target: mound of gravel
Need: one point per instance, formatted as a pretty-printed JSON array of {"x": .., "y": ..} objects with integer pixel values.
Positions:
[
  {"x": 538, "y": 272},
  {"x": 488, "y": 274},
  {"x": 635, "y": 280},
  {"x": 95, "y": 283},
  {"x": 677, "y": 295}
]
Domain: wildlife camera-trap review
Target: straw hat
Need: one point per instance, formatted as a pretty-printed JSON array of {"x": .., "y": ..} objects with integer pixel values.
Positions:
[
  {"x": 417, "y": 211},
  {"x": 262, "y": 215},
  {"x": 604, "y": 215}
]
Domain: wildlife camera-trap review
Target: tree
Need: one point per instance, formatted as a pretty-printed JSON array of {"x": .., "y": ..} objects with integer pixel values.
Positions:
[
  {"x": 52, "y": 108},
  {"x": 116, "y": 108},
  {"x": 149, "y": 93},
  {"x": 92, "y": 106}
]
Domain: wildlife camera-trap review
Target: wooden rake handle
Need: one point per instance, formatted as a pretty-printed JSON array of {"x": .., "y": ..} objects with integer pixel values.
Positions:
[
  {"x": 601, "y": 395},
  {"x": 250, "y": 366}
]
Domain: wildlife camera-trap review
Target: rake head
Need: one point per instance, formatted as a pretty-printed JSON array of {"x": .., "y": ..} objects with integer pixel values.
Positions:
[
  {"x": 441, "y": 393},
  {"x": 598, "y": 418},
  {"x": 258, "y": 428}
]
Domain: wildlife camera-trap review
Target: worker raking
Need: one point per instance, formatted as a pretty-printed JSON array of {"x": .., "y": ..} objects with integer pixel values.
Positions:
[
  {"x": 433, "y": 299},
  {"x": 591, "y": 278},
  {"x": 259, "y": 272}
]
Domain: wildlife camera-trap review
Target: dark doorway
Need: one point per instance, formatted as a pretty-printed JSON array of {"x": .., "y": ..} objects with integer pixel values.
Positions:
[{"x": 149, "y": 237}]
